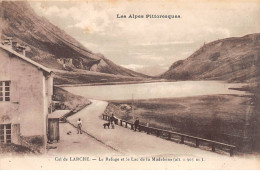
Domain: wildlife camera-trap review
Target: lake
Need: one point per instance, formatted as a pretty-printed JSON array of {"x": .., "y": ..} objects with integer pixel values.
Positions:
[
  {"x": 227, "y": 119},
  {"x": 155, "y": 90}
]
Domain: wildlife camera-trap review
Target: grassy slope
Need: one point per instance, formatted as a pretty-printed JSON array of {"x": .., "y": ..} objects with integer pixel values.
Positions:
[
  {"x": 231, "y": 59},
  {"x": 74, "y": 102},
  {"x": 83, "y": 77},
  {"x": 217, "y": 117}
]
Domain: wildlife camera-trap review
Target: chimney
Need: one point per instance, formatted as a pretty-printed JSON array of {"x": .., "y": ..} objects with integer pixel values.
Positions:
[
  {"x": 21, "y": 50},
  {"x": 11, "y": 44},
  {"x": 8, "y": 42},
  {"x": 14, "y": 45}
]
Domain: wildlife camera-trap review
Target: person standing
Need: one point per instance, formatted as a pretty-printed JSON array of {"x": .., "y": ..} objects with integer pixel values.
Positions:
[
  {"x": 136, "y": 123},
  {"x": 79, "y": 123},
  {"x": 112, "y": 121}
]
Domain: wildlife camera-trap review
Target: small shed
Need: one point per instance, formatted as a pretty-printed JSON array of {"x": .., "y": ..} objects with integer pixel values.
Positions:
[{"x": 53, "y": 124}]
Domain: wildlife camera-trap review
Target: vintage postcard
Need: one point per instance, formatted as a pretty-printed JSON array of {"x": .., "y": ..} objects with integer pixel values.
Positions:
[{"x": 111, "y": 84}]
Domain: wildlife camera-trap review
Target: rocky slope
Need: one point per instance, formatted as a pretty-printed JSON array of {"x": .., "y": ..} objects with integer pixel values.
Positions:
[
  {"x": 234, "y": 59},
  {"x": 49, "y": 45}
]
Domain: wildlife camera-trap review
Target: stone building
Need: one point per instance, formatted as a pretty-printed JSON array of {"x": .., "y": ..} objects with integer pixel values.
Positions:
[{"x": 26, "y": 90}]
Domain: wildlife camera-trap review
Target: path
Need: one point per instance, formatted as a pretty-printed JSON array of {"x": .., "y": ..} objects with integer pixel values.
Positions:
[
  {"x": 125, "y": 142},
  {"x": 129, "y": 142},
  {"x": 76, "y": 144}
]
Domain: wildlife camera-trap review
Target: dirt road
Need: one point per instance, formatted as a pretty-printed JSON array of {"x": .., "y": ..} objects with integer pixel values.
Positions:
[{"x": 125, "y": 142}]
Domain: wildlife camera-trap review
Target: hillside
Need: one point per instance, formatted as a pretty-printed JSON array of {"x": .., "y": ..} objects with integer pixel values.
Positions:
[
  {"x": 49, "y": 45},
  {"x": 234, "y": 59}
]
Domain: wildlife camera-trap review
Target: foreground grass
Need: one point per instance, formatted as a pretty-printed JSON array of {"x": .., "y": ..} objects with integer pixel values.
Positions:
[
  {"x": 15, "y": 149},
  {"x": 230, "y": 119}
]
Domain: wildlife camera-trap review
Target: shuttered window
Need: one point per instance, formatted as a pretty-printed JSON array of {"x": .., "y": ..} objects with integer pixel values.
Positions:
[
  {"x": 5, "y": 133},
  {"x": 5, "y": 91}
]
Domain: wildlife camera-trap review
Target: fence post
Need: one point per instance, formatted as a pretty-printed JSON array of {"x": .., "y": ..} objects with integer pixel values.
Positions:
[
  {"x": 182, "y": 139},
  {"x": 148, "y": 130},
  {"x": 125, "y": 124},
  {"x": 121, "y": 123},
  {"x": 231, "y": 152},
  {"x": 169, "y": 136},
  {"x": 197, "y": 143},
  {"x": 132, "y": 127},
  {"x": 158, "y": 133},
  {"x": 213, "y": 147}
]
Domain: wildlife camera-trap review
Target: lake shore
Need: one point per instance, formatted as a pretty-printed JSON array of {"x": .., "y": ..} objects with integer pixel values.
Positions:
[
  {"x": 206, "y": 109},
  {"x": 112, "y": 83},
  {"x": 245, "y": 88},
  {"x": 154, "y": 90},
  {"x": 62, "y": 77}
]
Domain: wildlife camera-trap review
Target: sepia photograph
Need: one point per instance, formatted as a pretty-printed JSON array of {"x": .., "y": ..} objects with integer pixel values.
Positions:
[{"x": 130, "y": 85}]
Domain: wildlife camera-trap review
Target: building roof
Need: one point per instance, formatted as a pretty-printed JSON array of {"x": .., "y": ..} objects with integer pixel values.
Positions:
[
  {"x": 58, "y": 114},
  {"x": 43, "y": 68},
  {"x": 91, "y": 63}
]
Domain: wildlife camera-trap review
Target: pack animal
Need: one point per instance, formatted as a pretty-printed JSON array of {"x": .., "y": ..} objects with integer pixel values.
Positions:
[{"x": 106, "y": 125}]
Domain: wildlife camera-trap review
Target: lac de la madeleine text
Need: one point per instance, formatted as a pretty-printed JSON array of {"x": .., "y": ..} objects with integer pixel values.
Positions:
[{"x": 148, "y": 16}]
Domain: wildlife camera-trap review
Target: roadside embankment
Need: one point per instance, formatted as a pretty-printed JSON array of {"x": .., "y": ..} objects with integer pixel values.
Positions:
[
  {"x": 74, "y": 102},
  {"x": 230, "y": 119}
]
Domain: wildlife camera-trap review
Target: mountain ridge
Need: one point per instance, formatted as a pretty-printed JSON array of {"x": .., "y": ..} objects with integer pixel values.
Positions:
[
  {"x": 234, "y": 59},
  {"x": 50, "y": 45}
]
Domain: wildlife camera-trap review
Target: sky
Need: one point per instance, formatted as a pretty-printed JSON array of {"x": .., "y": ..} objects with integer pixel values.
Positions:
[{"x": 151, "y": 45}]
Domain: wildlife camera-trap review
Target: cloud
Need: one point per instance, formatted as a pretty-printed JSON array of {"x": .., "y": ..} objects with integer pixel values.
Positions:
[
  {"x": 49, "y": 10},
  {"x": 144, "y": 43},
  {"x": 52, "y": 10},
  {"x": 151, "y": 57},
  {"x": 167, "y": 43},
  {"x": 134, "y": 67},
  {"x": 185, "y": 53},
  {"x": 147, "y": 69},
  {"x": 224, "y": 32},
  {"x": 84, "y": 15},
  {"x": 90, "y": 45}
]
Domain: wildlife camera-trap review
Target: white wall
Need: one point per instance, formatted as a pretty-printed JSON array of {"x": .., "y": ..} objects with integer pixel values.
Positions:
[{"x": 27, "y": 90}]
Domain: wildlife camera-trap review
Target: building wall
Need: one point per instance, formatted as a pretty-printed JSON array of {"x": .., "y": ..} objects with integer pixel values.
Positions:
[
  {"x": 27, "y": 106},
  {"x": 94, "y": 67}
]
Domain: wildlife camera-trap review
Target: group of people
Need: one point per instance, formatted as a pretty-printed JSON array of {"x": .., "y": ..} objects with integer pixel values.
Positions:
[{"x": 112, "y": 121}]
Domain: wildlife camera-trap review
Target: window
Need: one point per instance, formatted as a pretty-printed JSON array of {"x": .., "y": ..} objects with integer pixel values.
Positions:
[
  {"x": 5, "y": 133},
  {"x": 5, "y": 91}
]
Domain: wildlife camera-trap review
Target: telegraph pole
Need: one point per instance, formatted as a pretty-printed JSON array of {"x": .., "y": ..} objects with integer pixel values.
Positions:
[{"x": 133, "y": 111}]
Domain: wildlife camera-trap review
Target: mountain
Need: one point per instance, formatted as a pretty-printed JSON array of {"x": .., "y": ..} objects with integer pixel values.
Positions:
[
  {"x": 235, "y": 59},
  {"x": 49, "y": 45}
]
